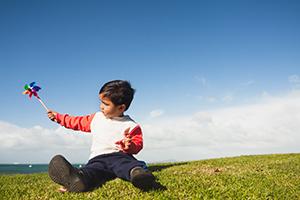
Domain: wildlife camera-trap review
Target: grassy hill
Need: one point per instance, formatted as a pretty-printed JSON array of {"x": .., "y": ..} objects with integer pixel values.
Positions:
[{"x": 245, "y": 177}]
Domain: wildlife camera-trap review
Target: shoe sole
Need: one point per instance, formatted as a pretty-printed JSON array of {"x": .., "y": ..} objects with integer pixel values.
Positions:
[{"x": 63, "y": 173}]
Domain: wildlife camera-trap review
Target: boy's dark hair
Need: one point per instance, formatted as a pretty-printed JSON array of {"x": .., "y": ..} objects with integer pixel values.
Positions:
[{"x": 119, "y": 92}]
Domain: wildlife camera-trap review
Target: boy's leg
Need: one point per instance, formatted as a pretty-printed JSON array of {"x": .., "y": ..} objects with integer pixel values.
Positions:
[
  {"x": 92, "y": 175},
  {"x": 96, "y": 173},
  {"x": 63, "y": 173},
  {"x": 126, "y": 167}
]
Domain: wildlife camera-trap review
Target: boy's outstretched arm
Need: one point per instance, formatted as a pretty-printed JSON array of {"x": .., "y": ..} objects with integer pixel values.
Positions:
[{"x": 81, "y": 123}]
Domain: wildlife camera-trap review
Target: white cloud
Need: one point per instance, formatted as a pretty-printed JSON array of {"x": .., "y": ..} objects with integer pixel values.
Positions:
[
  {"x": 211, "y": 99},
  {"x": 270, "y": 126},
  {"x": 248, "y": 83},
  {"x": 202, "y": 80},
  {"x": 156, "y": 113},
  {"x": 38, "y": 144},
  {"x": 295, "y": 79},
  {"x": 227, "y": 98},
  {"x": 265, "y": 94}
]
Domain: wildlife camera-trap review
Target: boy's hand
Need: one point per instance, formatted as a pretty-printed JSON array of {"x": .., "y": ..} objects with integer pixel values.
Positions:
[
  {"x": 126, "y": 143},
  {"x": 52, "y": 115},
  {"x": 127, "y": 140}
]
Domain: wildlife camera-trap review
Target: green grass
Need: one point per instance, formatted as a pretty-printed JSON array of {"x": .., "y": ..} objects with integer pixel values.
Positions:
[{"x": 246, "y": 177}]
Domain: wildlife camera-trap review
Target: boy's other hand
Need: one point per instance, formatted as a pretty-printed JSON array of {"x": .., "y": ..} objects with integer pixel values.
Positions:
[
  {"x": 126, "y": 143},
  {"x": 52, "y": 115},
  {"x": 127, "y": 140}
]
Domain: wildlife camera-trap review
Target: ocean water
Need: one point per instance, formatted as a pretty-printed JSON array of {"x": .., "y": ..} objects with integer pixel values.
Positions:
[{"x": 25, "y": 168}]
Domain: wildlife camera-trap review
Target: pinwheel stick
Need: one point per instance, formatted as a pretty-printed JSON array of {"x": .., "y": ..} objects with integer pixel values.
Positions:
[{"x": 43, "y": 104}]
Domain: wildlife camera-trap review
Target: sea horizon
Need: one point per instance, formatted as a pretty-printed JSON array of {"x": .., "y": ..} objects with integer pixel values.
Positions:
[
  {"x": 30, "y": 168},
  {"x": 27, "y": 168}
]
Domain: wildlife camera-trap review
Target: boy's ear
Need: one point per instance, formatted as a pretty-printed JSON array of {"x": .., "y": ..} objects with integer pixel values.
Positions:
[{"x": 122, "y": 107}]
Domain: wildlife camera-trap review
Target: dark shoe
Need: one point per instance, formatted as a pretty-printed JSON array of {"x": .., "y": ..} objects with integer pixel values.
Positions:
[
  {"x": 63, "y": 173},
  {"x": 142, "y": 178}
]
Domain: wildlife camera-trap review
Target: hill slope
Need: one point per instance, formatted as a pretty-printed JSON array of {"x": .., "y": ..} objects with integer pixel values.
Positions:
[{"x": 245, "y": 177}]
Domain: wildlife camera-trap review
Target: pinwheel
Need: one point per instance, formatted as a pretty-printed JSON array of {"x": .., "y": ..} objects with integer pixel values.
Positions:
[{"x": 32, "y": 89}]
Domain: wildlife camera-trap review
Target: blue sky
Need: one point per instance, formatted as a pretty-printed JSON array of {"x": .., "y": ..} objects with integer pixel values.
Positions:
[{"x": 182, "y": 57}]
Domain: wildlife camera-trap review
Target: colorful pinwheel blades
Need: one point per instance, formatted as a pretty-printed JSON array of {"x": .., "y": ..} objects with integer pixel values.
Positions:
[
  {"x": 32, "y": 84},
  {"x": 31, "y": 89}
]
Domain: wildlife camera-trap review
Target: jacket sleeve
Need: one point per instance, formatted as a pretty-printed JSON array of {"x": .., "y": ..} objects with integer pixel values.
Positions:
[
  {"x": 136, "y": 139},
  {"x": 77, "y": 123}
]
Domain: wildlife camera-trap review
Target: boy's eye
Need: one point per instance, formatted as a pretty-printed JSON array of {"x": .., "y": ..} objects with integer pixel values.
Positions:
[{"x": 104, "y": 103}]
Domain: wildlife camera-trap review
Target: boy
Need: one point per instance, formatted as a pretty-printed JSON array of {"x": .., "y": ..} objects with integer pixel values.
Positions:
[{"x": 115, "y": 138}]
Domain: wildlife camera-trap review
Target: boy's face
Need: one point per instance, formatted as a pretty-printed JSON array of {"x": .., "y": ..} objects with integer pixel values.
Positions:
[{"x": 109, "y": 109}]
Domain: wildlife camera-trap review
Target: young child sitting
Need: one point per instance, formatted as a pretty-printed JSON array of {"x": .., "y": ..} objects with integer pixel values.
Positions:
[{"x": 115, "y": 138}]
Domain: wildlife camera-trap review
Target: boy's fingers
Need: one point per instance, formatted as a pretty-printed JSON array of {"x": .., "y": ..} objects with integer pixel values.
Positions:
[
  {"x": 121, "y": 144},
  {"x": 127, "y": 143},
  {"x": 51, "y": 115},
  {"x": 126, "y": 132},
  {"x": 126, "y": 147},
  {"x": 128, "y": 136}
]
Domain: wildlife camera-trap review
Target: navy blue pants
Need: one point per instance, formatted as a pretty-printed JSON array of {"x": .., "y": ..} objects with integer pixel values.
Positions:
[{"x": 109, "y": 166}]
